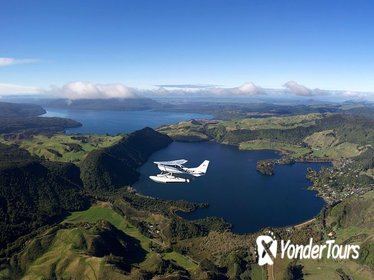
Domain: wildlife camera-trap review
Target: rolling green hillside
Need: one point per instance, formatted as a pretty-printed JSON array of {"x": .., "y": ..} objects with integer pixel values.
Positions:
[
  {"x": 327, "y": 136},
  {"x": 62, "y": 147},
  {"x": 96, "y": 244},
  {"x": 103, "y": 212},
  {"x": 85, "y": 251}
]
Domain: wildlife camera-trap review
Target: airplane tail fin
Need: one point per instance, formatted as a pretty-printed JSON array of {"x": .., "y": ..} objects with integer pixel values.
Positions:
[{"x": 201, "y": 169}]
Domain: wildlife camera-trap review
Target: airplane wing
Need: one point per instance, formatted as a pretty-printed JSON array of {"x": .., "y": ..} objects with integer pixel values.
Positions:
[{"x": 172, "y": 162}]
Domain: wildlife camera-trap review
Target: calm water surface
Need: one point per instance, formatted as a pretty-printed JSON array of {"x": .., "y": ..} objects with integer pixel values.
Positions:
[
  {"x": 234, "y": 189},
  {"x": 114, "y": 122}
]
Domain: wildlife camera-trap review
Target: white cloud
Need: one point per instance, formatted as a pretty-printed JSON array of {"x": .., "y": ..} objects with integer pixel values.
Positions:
[
  {"x": 87, "y": 90},
  {"x": 249, "y": 89},
  {"x": 246, "y": 89},
  {"x": 356, "y": 95},
  {"x": 11, "y": 89},
  {"x": 301, "y": 90},
  {"x": 298, "y": 89},
  {"x": 186, "y": 86},
  {"x": 8, "y": 61}
]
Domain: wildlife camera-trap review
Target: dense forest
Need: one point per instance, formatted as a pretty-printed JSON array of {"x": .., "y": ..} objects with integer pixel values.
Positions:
[
  {"x": 115, "y": 166},
  {"x": 34, "y": 193}
]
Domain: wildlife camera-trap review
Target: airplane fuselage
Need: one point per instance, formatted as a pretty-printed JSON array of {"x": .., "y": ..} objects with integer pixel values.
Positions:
[
  {"x": 180, "y": 170},
  {"x": 169, "y": 168}
]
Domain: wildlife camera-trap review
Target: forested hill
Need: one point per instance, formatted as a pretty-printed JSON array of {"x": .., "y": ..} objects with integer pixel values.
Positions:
[
  {"x": 17, "y": 118},
  {"x": 115, "y": 166},
  {"x": 36, "y": 125},
  {"x": 34, "y": 192},
  {"x": 12, "y": 110}
]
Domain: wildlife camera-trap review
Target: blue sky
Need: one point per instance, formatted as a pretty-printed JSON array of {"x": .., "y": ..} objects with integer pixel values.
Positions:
[{"x": 318, "y": 44}]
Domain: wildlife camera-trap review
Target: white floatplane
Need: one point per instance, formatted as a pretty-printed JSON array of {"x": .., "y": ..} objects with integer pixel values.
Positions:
[{"x": 170, "y": 168}]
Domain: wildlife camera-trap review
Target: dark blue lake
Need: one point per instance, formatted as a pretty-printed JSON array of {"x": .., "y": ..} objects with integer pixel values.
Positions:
[
  {"x": 114, "y": 122},
  {"x": 234, "y": 189}
]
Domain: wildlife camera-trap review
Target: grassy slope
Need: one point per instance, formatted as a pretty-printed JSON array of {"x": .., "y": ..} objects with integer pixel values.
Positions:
[
  {"x": 323, "y": 144},
  {"x": 41, "y": 146},
  {"x": 322, "y": 139},
  {"x": 184, "y": 130},
  {"x": 369, "y": 172},
  {"x": 66, "y": 255},
  {"x": 258, "y": 272},
  {"x": 294, "y": 150},
  {"x": 96, "y": 213},
  {"x": 327, "y": 144},
  {"x": 66, "y": 259},
  {"x": 320, "y": 269},
  {"x": 353, "y": 221},
  {"x": 352, "y": 217},
  {"x": 181, "y": 260},
  {"x": 194, "y": 129},
  {"x": 273, "y": 122},
  {"x": 326, "y": 269}
]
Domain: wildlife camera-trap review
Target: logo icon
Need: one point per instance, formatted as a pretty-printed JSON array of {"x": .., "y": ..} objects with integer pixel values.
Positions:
[{"x": 266, "y": 249}]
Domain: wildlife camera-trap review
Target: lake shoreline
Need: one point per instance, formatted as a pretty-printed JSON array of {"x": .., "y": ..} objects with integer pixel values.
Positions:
[
  {"x": 149, "y": 191},
  {"x": 285, "y": 160}
]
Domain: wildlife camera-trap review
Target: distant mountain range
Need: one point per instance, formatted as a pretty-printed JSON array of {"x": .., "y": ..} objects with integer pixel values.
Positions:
[
  {"x": 25, "y": 118},
  {"x": 11, "y": 110},
  {"x": 104, "y": 104}
]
